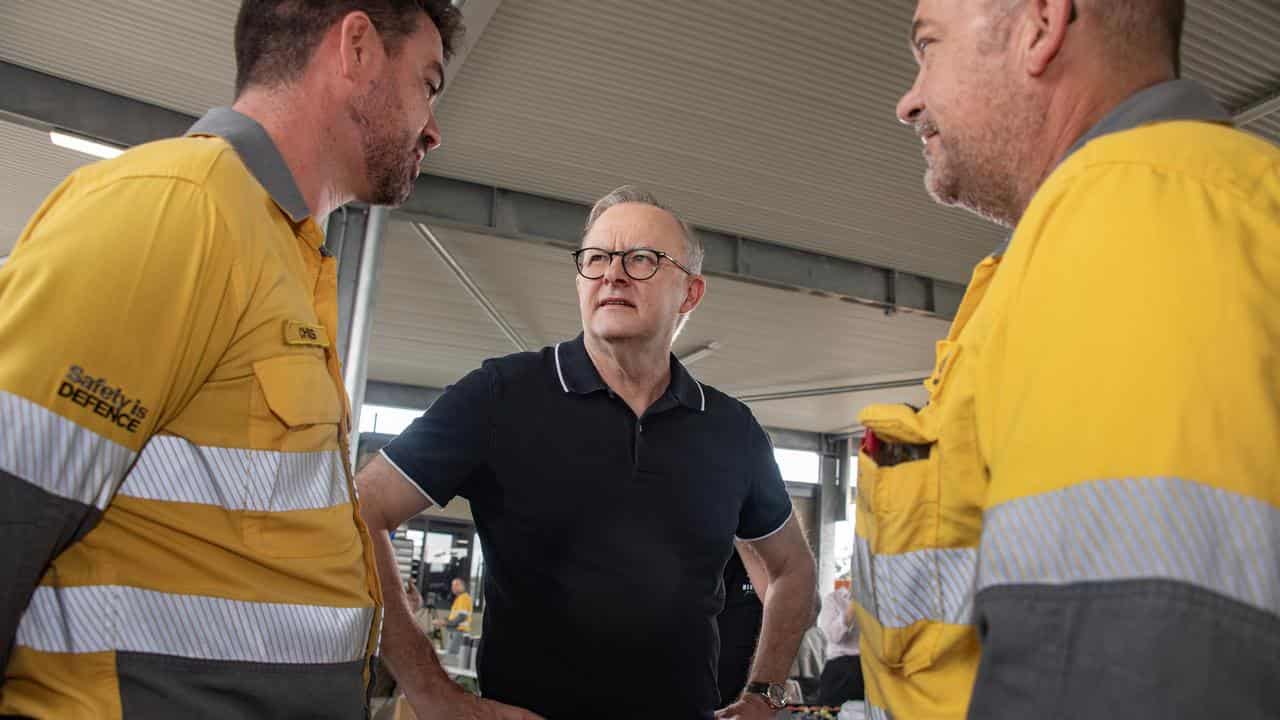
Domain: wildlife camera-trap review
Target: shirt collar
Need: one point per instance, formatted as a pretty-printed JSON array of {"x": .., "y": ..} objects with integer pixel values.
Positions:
[
  {"x": 259, "y": 154},
  {"x": 1165, "y": 102},
  {"x": 576, "y": 373}
]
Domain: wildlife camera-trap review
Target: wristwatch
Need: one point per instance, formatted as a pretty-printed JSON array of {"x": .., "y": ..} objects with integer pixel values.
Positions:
[{"x": 773, "y": 693}]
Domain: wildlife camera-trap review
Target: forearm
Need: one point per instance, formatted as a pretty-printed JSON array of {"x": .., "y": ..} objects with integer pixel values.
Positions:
[
  {"x": 788, "y": 612},
  {"x": 405, "y": 646}
]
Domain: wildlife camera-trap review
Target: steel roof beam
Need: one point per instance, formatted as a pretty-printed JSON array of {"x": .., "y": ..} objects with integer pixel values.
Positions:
[
  {"x": 492, "y": 210},
  {"x": 45, "y": 102},
  {"x": 1256, "y": 111}
]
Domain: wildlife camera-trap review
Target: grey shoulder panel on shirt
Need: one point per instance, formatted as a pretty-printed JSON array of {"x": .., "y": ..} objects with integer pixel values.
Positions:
[
  {"x": 35, "y": 527},
  {"x": 164, "y": 686},
  {"x": 1135, "y": 649}
]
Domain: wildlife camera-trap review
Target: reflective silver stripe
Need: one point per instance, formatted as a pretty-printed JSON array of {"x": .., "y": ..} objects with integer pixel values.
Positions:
[
  {"x": 877, "y": 713},
  {"x": 902, "y": 589},
  {"x": 1140, "y": 528},
  {"x": 57, "y": 455},
  {"x": 174, "y": 469},
  {"x": 98, "y": 618},
  {"x": 863, "y": 578}
]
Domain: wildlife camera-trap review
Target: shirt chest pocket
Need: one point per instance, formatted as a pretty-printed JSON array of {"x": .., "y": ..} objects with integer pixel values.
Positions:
[
  {"x": 912, "y": 576},
  {"x": 295, "y": 405},
  {"x": 298, "y": 502}
]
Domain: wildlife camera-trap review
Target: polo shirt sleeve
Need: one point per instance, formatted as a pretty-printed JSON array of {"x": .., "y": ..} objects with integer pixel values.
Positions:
[
  {"x": 444, "y": 447},
  {"x": 767, "y": 506},
  {"x": 115, "y": 305}
]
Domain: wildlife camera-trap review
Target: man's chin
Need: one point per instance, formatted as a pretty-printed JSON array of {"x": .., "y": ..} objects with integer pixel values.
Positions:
[
  {"x": 402, "y": 197},
  {"x": 615, "y": 332},
  {"x": 941, "y": 188},
  {"x": 391, "y": 194}
]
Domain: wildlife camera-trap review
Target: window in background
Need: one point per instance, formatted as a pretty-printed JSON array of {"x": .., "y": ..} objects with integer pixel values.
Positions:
[
  {"x": 419, "y": 538},
  {"x": 798, "y": 466},
  {"x": 844, "y": 534},
  {"x": 852, "y": 490},
  {"x": 842, "y": 551},
  {"x": 386, "y": 420},
  {"x": 439, "y": 553}
]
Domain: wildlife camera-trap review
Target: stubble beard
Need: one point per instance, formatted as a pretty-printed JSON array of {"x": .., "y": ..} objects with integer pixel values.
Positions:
[
  {"x": 982, "y": 171},
  {"x": 390, "y": 165}
]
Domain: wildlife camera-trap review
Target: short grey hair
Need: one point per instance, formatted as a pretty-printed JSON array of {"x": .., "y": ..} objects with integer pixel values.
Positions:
[
  {"x": 1140, "y": 30},
  {"x": 694, "y": 252}
]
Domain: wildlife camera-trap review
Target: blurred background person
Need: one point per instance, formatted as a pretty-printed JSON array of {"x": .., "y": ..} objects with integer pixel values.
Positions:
[{"x": 842, "y": 674}]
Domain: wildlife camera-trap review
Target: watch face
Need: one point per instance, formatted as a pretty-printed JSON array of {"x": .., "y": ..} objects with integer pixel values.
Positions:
[{"x": 774, "y": 694}]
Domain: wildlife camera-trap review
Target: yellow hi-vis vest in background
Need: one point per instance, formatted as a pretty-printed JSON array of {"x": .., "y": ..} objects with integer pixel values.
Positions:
[
  {"x": 1095, "y": 484},
  {"x": 173, "y": 432},
  {"x": 462, "y": 605}
]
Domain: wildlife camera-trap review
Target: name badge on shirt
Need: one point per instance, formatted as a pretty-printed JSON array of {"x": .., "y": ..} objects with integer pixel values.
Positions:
[{"x": 297, "y": 332}]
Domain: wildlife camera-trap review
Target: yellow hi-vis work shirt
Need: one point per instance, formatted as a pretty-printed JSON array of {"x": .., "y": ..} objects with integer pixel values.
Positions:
[
  {"x": 1093, "y": 526},
  {"x": 462, "y": 607},
  {"x": 179, "y": 526}
]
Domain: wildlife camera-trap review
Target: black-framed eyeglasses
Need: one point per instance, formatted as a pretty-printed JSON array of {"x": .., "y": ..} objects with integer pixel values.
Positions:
[{"x": 637, "y": 263}]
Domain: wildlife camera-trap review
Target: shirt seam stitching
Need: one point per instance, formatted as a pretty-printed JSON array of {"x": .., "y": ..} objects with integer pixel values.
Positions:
[{"x": 1249, "y": 198}]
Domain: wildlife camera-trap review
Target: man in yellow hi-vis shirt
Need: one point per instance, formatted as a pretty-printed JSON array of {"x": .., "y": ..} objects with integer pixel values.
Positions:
[
  {"x": 179, "y": 529},
  {"x": 462, "y": 608},
  {"x": 458, "y": 622},
  {"x": 1084, "y": 522}
]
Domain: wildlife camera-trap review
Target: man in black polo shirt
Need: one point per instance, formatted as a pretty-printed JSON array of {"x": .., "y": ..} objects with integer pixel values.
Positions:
[{"x": 608, "y": 487}]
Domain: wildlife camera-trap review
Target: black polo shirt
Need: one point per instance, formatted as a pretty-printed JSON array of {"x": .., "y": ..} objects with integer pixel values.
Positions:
[{"x": 604, "y": 535}]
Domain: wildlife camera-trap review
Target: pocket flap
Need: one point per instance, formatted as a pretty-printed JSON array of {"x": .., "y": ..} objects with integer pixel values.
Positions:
[
  {"x": 298, "y": 390},
  {"x": 897, "y": 423}
]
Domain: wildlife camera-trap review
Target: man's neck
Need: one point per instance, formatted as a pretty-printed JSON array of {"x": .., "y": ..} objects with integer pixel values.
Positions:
[
  {"x": 639, "y": 371},
  {"x": 1074, "y": 114},
  {"x": 305, "y": 140}
]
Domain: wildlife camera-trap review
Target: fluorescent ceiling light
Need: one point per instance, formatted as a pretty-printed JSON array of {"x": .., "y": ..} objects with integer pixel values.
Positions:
[{"x": 84, "y": 145}]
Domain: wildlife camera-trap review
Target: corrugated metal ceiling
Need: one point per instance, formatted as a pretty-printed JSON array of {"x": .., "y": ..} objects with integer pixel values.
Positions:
[
  {"x": 769, "y": 120},
  {"x": 427, "y": 331},
  {"x": 176, "y": 54},
  {"x": 1268, "y": 127},
  {"x": 761, "y": 122},
  {"x": 1233, "y": 46},
  {"x": 766, "y": 120},
  {"x": 30, "y": 166}
]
